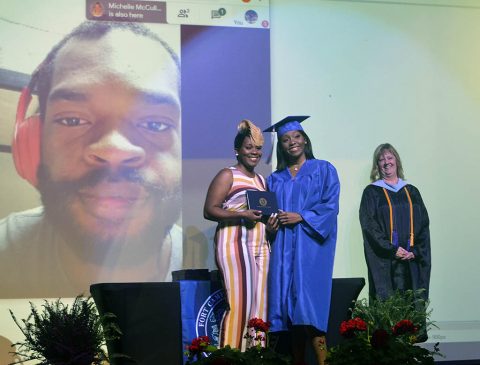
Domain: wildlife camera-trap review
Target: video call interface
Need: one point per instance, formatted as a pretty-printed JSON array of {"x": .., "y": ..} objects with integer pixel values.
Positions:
[{"x": 168, "y": 102}]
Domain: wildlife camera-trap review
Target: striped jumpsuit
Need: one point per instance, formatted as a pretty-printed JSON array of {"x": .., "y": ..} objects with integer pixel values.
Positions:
[{"x": 242, "y": 255}]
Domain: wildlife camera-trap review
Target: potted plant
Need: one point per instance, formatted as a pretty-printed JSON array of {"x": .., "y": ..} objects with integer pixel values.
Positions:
[
  {"x": 202, "y": 352},
  {"x": 385, "y": 332},
  {"x": 59, "y": 334}
]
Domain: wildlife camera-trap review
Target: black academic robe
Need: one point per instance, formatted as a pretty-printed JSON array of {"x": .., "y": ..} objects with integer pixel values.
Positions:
[{"x": 385, "y": 272}]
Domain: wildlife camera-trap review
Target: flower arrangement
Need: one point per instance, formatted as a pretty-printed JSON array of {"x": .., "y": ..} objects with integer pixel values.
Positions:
[
  {"x": 199, "y": 346},
  {"x": 202, "y": 352},
  {"x": 257, "y": 334},
  {"x": 62, "y": 335},
  {"x": 385, "y": 332}
]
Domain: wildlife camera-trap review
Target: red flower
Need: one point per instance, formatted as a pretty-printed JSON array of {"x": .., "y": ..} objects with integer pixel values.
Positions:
[
  {"x": 360, "y": 324},
  {"x": 198, "y": 344},
  {"x": 348, "y": 328},
  {"x": 403, "y": 327},
  {"x": 379, "y": 338},
  {"x": 258, "y": 324}
]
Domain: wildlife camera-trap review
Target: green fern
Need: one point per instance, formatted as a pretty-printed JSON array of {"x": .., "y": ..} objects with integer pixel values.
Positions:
[
  {"x": 401, "y": 305},
  {"x": 62, "y": 335}
]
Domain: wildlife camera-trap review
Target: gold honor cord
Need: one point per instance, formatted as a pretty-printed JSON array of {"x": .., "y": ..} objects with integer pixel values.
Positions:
[
  {"x": 411, "y": 216},
  {"x": 391, "y": 215}
]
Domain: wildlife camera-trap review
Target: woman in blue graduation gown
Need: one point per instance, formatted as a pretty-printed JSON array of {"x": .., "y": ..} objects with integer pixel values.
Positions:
[
  {"x": 300, "y": 277},
  {"x": 395, "y": 227}
]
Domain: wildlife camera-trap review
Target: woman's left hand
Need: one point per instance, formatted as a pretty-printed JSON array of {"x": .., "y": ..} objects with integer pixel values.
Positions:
[{"x": 287, "y": 218}]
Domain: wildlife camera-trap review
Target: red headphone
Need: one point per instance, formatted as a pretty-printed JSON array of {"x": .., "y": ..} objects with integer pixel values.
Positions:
[{"x": 26, "y": 138}]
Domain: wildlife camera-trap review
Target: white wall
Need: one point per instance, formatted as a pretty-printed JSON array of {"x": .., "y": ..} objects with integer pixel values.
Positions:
[{"x": 402, "y": 72}]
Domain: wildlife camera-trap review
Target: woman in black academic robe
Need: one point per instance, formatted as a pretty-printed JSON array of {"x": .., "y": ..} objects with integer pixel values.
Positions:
[{"x": 395, "y": 229}]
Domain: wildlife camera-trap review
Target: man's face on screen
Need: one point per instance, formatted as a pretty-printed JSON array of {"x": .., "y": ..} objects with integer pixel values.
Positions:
[{"x": 111, "y": 153}]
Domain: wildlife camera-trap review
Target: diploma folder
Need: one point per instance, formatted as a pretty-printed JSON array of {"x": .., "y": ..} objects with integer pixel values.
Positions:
[{"x": 265, "y": 201}]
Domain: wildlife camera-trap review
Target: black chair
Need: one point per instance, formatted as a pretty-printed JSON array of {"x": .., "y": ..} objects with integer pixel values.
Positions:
[
  {"x": 344, "y": 293},
  {"x": 149, "y": 317}
]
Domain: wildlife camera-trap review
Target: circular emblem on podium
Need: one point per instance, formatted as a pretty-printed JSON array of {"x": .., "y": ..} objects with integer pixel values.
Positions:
[{"x": 210, "y": 316}]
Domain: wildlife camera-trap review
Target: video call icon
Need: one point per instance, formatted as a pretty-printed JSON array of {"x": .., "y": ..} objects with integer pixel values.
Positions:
[
  {"x": 251, "y": 16},
  {"x": 183, "y": 13},
  {"x": 97, "y": 10},
  {"x": 218, "y": 13}
]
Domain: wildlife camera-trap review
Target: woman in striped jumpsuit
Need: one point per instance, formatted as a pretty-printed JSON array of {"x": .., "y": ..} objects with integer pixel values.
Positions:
[{"x": 241, "y": 247}]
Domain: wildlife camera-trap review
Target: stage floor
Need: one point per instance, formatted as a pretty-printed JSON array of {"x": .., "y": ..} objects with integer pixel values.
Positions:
[{"x": 459, "y": 342}]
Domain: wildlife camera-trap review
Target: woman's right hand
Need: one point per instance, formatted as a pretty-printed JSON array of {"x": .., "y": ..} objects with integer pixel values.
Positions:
[{"x": 252, "y": 215}]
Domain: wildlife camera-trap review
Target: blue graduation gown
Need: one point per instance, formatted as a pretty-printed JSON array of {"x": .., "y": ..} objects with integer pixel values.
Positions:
[{"x": 301, "y": 265}]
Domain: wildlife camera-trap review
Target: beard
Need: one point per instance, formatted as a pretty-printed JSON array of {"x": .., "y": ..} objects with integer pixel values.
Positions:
[{"x": 59, "y": 197}]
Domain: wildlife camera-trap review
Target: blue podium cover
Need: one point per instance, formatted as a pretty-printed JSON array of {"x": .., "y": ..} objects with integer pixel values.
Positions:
[{"x": 202, "y": 307}]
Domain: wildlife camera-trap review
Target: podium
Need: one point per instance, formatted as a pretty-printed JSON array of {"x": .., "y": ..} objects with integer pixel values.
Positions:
[
  {"x": 149, "y": 317},
  {"x": 158, "y": 319}
]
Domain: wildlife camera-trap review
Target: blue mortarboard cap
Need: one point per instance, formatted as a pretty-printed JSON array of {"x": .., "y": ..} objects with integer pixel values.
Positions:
[{"x": 291, "y": 123}]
